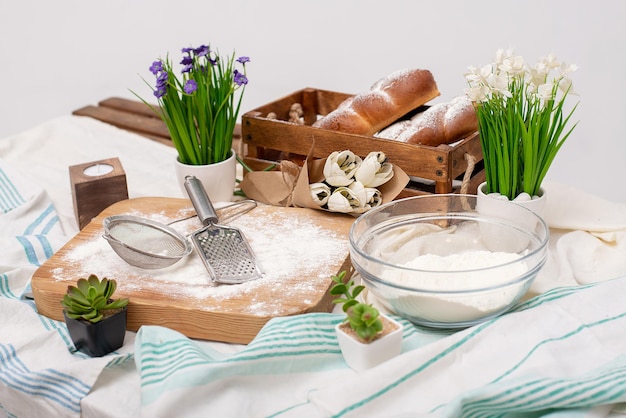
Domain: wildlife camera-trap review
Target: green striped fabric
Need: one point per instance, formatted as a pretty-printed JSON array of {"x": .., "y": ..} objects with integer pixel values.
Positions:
[{"x": 563, "y": 352}]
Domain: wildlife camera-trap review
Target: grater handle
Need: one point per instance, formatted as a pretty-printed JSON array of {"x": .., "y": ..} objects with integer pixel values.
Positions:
[{"x": 200, "y": 200}]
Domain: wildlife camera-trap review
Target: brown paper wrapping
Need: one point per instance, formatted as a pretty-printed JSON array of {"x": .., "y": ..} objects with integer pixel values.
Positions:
[{"x": 289, "y": 186}]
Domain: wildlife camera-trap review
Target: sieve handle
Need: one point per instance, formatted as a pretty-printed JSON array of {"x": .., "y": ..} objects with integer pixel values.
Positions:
[{"x": 200, "y": 200}]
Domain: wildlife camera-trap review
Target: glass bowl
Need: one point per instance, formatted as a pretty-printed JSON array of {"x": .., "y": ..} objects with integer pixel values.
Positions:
[{"x": 448, "y": 260}]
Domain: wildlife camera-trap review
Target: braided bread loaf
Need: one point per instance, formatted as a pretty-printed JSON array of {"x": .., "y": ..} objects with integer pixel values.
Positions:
[
  {"x": 443, "y": 123},
  {"x": 388, "y": 99}
]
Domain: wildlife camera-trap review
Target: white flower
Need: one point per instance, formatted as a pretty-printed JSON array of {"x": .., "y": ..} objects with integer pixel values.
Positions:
[
  {"x": 372, "y": 198},
  {"x": 565, "y": 82},
  {"x": 479, "y": 75},
  {"x": 550, "y": 62},
  {"x": 566, "y": 69},
  {"x": 509, "y": 71},
  {"x": 343, "y": 200},
  {"x": 544, "y": 91},
  {"x": 513, "y": 65},
  {"x": 320, "y": 192},
  {"x": 478, "y": 94},
  {"x": 340, "y": 167},
  {"x": 566, "y": 87},
  {"x": 537, "y": 76},
  {"x": 359, "y": 193},
  {"x": 374, "y": 171},
  {"x": 502, "y": 55},
  {"x": 499, "y": 85}
]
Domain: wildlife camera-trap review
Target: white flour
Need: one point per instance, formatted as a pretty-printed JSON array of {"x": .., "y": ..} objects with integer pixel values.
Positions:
[
  {"x": 458, "y": 272},
  {"x": 296, "y": 255}
]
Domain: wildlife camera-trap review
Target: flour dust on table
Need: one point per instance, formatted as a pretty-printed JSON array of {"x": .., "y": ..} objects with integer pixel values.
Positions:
[{"x": 288, "y": 248}]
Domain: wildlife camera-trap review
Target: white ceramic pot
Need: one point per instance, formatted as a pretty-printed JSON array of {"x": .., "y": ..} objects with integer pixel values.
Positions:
[
  {"x": 537, "y": 204},
  {"x": 218, "y": 179},
  {"x": 362, "y": 356},
  {"x": 499, "y": 206}
]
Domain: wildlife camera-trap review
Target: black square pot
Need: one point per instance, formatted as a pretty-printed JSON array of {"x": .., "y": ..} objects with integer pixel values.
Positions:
[{"x": 100, "y": 338}]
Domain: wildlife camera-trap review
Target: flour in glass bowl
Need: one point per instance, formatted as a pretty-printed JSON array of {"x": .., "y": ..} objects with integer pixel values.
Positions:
[{"x": 462, "y": 272}]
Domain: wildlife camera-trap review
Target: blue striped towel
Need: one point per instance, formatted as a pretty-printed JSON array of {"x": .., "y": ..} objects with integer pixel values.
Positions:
[
  {"x": 41, "y": 374},
  {"x": 563, "y": 352}
]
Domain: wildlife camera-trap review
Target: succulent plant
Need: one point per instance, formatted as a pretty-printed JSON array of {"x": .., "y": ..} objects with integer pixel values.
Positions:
[
  {"x": 91, "y": 298},
  {"x": 362, "y": 317}
]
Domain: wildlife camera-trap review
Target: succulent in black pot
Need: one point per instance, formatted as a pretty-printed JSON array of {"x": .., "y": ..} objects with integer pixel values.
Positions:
[{"x": 96, "y": 322}]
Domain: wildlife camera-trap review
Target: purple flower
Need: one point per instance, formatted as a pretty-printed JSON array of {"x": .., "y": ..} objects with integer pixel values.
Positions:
[
  {"x": 201, "y": 51},
  {"x": 156, "y": 67},
  {"x": 239, "y": 78},
  {"x": 187, "y": 60},
  {"x": 187, "y": 68},
  {"x": 162, "y": 79},
  {"x": 190, "y": 86},
  {"x": 160, "y": 92},
  {"x": 243, "y": 60},
  {"x": 186, "y": 50}
]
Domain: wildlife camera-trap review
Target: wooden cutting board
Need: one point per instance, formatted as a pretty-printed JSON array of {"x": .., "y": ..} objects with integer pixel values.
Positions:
[{"x": 298, "y": 249}]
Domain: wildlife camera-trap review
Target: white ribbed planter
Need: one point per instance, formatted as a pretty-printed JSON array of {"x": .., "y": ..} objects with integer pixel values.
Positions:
[
  {"x": 219, "y": 179},
  {"x": 499, "y": 206},
  {"x": 537, "y": 204}
]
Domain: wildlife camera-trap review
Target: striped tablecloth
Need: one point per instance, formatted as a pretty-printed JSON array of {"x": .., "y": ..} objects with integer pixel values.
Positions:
[{"x": 560, "y": 353}]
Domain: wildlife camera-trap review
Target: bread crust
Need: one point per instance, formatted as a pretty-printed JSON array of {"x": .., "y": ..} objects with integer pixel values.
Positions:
[
  {"x": 389, "y": 99},
  {"x": 443, "y": 123}
]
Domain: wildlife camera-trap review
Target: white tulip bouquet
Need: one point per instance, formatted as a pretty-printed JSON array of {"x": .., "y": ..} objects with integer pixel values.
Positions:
[{"x": 351, "y": 183}]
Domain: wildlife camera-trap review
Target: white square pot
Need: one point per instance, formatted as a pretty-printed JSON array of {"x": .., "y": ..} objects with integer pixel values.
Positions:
[{"x": 362, "y": 356}]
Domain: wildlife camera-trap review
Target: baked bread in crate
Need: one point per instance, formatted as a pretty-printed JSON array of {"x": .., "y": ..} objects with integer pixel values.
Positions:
[{"x": 313, "y": 123}]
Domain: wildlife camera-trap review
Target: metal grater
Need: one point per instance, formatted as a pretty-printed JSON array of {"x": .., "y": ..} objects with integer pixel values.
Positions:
[{"x": 224, "y": 250}]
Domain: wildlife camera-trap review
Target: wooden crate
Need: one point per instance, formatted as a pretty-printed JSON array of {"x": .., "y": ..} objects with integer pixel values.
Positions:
[{"x": 432, "y": 169}]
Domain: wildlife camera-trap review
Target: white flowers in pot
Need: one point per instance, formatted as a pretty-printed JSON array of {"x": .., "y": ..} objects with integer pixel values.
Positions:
[
  {"x": 522, "y": 119},
  {"x": 350, "y": 183}
]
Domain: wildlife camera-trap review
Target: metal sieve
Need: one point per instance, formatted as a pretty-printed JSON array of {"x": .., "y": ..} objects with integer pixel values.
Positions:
[
  {"x": 144, "y": 243},
  {"x": 153, "y": 245}
]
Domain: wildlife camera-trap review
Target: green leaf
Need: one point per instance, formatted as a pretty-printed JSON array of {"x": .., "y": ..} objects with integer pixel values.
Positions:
[
  {"x": 357, "y": 291},
  {"x": 75, "y": 295},
  {"x": 90, "y": 315},
  {"x": 83, "y": 286},
  {"x": 117, "y": 304}
]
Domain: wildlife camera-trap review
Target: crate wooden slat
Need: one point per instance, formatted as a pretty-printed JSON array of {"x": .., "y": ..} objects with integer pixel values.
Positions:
[{"x": 266, "y": 138}]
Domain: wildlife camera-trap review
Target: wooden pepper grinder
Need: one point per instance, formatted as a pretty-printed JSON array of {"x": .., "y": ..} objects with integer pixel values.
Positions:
[{"x": 95, "y": 186}]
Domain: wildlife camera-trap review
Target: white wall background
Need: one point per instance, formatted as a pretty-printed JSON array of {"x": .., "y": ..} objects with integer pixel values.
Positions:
[{"x": 57, "y": 56}]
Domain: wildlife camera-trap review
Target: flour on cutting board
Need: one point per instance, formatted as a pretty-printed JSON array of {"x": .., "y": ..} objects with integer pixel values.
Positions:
[{"x": 286, "y": 247}]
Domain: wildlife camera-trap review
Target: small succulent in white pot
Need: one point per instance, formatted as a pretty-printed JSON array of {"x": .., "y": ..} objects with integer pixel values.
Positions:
[{"x": 366, "y": 337}]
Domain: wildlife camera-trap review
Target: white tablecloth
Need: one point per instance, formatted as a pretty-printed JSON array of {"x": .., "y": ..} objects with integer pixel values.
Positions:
[{"x": 562, "y": 352}]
